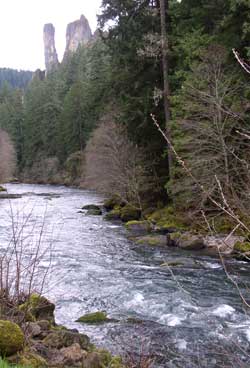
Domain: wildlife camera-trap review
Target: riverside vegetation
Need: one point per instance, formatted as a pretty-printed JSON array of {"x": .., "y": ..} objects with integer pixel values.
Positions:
[{"x": 89, "y": 123}]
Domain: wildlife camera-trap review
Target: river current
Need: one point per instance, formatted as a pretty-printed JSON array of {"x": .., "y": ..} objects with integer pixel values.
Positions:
[{"x": 189, "y": 316}]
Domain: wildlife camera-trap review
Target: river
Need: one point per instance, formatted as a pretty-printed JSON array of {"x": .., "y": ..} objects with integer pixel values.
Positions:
[{"x": 190, "y": 317}]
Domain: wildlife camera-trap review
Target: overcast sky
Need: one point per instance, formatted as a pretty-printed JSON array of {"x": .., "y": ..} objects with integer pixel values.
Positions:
[{"x": 21, "y": 28}]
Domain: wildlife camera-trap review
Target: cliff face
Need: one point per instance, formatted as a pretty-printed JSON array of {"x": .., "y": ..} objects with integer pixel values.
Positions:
[
  {"x": 51, "y": 59},
  {"x": 78, "y": 33}
]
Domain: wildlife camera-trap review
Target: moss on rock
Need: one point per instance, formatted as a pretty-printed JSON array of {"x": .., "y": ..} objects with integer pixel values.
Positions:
[
  {"x": 115, "y": 214},
  {"x": 129, "y": 213},
  {"x": 94, "y": 318},
  {"x": 153, "y": 240},
  {"x": 166, "y": 218},
  {"x": 11, "y": 338},
  {"x": 33, "y": 360},
  {"x": 112, "y": 202},
  {"x": 242, "y": 247},
  {"x": 2, "y": 189},
  {"x": 38, "y": 307}
]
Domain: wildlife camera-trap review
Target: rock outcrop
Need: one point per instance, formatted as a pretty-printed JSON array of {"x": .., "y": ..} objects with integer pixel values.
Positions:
[
  {"x": 51, "y": 59},
  {"x": 78, "y": 33}
]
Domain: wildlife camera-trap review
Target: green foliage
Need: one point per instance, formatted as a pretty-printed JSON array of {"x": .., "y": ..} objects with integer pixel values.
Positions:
[
  {"x": 5, "y": 364},
  {"x": 14, "y": 78}
]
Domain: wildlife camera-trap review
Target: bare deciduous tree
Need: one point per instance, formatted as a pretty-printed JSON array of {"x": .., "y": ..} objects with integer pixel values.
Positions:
[
  {"x": 7, "y": 156},
  {"x": 114, "y": 165}
]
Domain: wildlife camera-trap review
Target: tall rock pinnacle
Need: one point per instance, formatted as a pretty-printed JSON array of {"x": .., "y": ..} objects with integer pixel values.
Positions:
[
  {"x": 78, "y": 33},
  {"x": 51, "y": 59}
]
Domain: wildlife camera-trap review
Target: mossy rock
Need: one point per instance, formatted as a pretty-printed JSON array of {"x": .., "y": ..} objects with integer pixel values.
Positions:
[
  {"x": 242, "y": 247},
  {"x": 153, "y": 240},
  {"x": 172, "y": 264},
  {"x": 91, "y": 207},
  {"x": 28, "y": 359},
  {"x": 107, "y": 360},
  {"x": 166, "y": 218},
  {"x": 94, "y": 318},
  {"x": 112, "y": 202},
  {"x": 94, "y": 212},
  {"x": 2, "y": 189},
  {"x": 138, "y": 228},
  {"x": 65, "y": 338},
  {"x": 38, "y": 307},
  {"x": 11, "y": 338},
  {"x": 115, "y": 214},
  {"x": 130, "y": 213},
  {"x": 190, "y": 242}
]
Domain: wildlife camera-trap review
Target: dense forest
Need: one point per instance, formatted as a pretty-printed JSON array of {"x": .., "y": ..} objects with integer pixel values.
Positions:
[
  {"x": 14, "y": 78},
  {"x": 92, "y": 121}
]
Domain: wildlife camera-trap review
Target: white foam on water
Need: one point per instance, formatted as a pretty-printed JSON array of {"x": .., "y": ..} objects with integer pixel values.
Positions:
[
  {"x": 181, "y": 344},
  {"x": 137, "y": 300},
  {"x": 223, "y": 310},
  {"x": 170, "y": 320},
  {"x": 247, "y": 333},
  {"x": 212, "y": 265}
]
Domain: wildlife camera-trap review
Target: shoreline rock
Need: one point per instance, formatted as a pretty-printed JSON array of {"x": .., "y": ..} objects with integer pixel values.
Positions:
[{"x": 37, "y": 341}]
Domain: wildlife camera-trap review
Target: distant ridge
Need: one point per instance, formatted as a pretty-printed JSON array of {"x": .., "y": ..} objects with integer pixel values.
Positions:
[{"x": 15, "y": 78}]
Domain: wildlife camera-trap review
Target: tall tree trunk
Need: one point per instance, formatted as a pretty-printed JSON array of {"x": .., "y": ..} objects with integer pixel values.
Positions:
[{"x": 164, "y": 7}]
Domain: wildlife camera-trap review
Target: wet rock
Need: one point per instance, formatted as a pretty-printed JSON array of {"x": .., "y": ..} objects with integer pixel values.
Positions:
[
  {"x": 91, "y": 207},
  {"x": 94, "y": 212},
  {"x": 9, "y": 196},
  {"x": 94, "y": 318},
  {"x": 185, "y": 241},
  {"x": 138, "y": 228},
  {"x": 191, "y": 242},
  {"x": 154, "y": 240},
  {"x": 113, "y": 215},
  {"x": 183, "y": 262},
  {"x": 65, "y": 338},
  {"x": 113, "y": 202},
  {"x": 2, "y": 189},
  {"x": 11, "y": 338},
  {"x": 129, "y": 213}
]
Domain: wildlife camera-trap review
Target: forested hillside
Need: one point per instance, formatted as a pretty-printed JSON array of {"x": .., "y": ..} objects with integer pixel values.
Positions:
[
  {"x": 14, "y": 78},
  {"x": 90, "y": 121}
]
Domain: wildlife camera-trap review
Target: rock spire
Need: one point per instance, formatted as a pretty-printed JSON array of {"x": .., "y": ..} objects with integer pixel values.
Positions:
[
  {"x": 51, "y": 59},
  {"x": 78, "y": 33}
]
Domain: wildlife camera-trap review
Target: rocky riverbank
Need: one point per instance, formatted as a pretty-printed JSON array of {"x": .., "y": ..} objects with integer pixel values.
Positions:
[
  {"x": 30, "y": 337},
  {"x": 164, "y": 228}
]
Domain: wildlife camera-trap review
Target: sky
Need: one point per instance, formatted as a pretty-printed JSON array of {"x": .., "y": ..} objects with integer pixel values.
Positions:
[{"x": 21, "y": 28}]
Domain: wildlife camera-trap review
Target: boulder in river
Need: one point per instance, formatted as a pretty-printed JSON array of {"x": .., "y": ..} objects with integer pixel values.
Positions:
[
  {"x": 115, "y": 214},
  {"x": 185, "y": 241},
  {"x": 94, "y": 318},
  {"x": 9, "y": 196},
  {"x": 153, "y": 240},
  {"x": 91, "y": 207},
  {"x": 138, "y": 228}
]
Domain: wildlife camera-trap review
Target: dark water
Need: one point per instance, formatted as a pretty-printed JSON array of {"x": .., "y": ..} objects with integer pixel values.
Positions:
[{"x": 192, "y": 317}]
